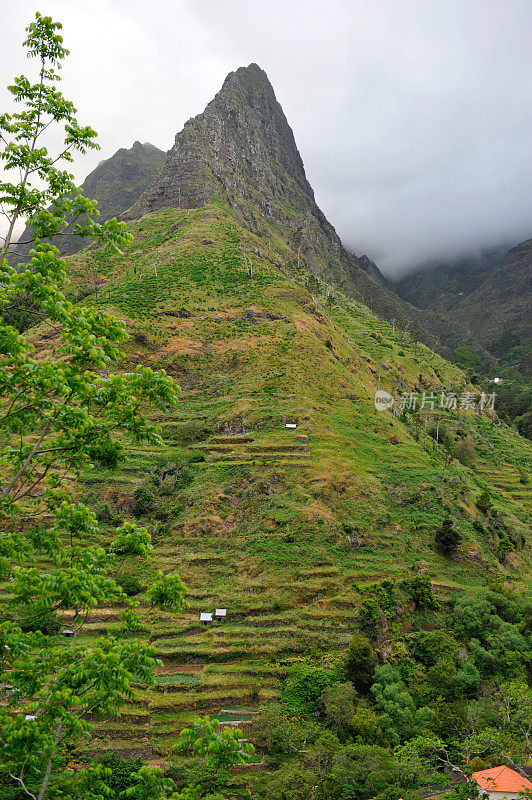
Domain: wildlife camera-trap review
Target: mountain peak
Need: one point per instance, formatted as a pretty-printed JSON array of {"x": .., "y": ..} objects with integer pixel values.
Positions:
[
  {"x": 241, "y": 149},
  {"x": 251, "y": 73},
  {"x": 251, "y": 78}
]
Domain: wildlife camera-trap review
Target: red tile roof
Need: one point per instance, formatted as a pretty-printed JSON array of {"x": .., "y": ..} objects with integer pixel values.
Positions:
[{"x": 501, "y": 779}]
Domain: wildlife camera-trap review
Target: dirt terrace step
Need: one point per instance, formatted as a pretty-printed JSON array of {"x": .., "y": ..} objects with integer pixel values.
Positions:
[
  {"x": 231, "y": 439},
  {"x": 262, "y": 456},
  {"x": 277, "y": 448}
]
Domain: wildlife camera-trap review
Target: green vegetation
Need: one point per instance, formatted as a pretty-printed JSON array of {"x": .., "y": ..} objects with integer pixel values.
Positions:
[
  {"x": 374, "y": 565},
  {"x": 281, "y": 532}
]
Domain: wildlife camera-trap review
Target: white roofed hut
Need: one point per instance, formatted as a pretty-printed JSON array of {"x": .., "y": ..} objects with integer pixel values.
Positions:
[
  {"x": 220, "y": 614},
  {"x": 205, "y": 617}
]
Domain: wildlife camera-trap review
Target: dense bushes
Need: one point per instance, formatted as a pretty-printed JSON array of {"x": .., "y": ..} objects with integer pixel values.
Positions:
[
  {"x": 360, "y": 662},
  {"x": 304, "y": 688},
  {"x": 122, "y": 771},
  {"x": 129, "y": 584},
  {"x": 447, "y": 538},
  {"x": 453, "y": 692}
]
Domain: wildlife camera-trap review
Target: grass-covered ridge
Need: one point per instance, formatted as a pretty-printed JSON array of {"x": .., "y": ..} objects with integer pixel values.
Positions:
[{"x": 288, "y": 530}]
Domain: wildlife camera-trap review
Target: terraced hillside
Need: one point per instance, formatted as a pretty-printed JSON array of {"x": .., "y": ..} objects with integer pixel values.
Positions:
[{"x": 285, "y": 528}]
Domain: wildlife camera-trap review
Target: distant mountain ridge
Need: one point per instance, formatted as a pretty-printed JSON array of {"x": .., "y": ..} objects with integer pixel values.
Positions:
[
  {"x": 491, "y": 298},
  {"x": 115, "y": 183},
  {"x": 438, "y": 285}
]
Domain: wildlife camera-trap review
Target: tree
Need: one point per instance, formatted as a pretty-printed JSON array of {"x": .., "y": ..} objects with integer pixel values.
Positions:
[
  {"x": 360, "y": 772},
  {"x": 398, "y": 714},
  {"x": 447, "y": 538},
  {"x": 360, "y": 662},
  {"x": 338, "y": 703},
  {"x": 420, "y": 591},
  {"x": 365, "y": 726},
  {"x": 58, "y": 416},
  {"x": 220, "y": 747},
  {"x": 513, "y": 705},
  {"x": 277, "y": 732}
]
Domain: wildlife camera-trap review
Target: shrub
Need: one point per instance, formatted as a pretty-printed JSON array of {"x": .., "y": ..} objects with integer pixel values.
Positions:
[
  {"x": 145, "y": 501},
  {"x": 48, "y": 624},
  {"x": 419, "y": 590},
  {"x": 447, "y": 538},
  {"x": 192, "y": 430},
  {"x": 464, "y": 451},
  {"x": 305, "y": 687},
  {"x": 129, "y": 584},
  {"x": 105, "y": 513},
  {"x": 484, "y": 503},
  {"x": 368, "y": 614},
  {"x": 122, "y": 770}
]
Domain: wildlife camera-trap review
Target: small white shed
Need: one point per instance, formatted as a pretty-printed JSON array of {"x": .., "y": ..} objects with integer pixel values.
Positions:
[
  {"x": 205, "y": 617},
  {"x": 291, "y": 426},
  {"x": 220, "y": 614}
]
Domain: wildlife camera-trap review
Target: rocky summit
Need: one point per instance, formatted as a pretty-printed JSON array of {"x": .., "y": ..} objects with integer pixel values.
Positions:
[{"x": 241, "y": 150}]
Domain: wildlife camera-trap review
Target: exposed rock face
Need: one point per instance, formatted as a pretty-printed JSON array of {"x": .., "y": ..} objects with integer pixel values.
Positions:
[
  {"x": 242, "y": 150},
  {"x": 115, "y": 183},
  {"x": 118, "y": 182}
]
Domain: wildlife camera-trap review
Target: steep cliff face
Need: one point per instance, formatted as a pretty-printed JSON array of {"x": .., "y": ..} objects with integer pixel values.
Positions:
[{"x": 117, "y": 182}]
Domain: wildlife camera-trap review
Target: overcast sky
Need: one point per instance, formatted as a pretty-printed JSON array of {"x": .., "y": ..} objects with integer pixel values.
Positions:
[{"x": 413, "y": 117}]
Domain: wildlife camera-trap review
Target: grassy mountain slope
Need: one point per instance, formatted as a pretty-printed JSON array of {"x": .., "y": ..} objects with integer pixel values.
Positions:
[{"x": 285, "y": 529}]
